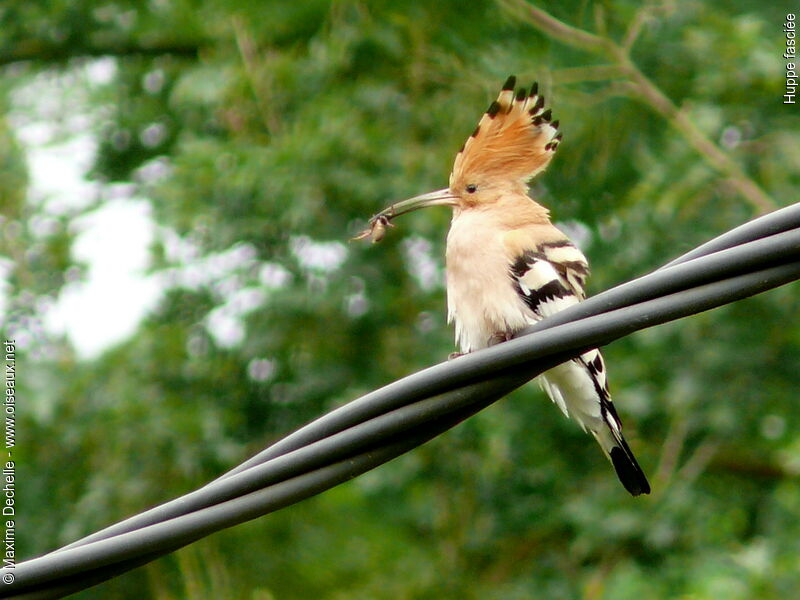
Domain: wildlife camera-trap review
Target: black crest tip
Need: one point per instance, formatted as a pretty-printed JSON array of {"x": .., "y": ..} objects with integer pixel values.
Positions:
[
  {"x": 555, "y": 124},
  {"x": 534, "y": 88},
  {"x": 538, "y": 105},
  {"x": 493, "y": 109},
  {"x": 521, "y": 93},
  {"x": 510, "y": 83},
  {"x": 547, "y": 115}
]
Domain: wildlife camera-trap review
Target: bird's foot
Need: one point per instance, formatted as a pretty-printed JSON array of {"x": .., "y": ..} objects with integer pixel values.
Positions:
[
  {"x": 499, "y": 337},
  {"x": 453, "y": 355}
]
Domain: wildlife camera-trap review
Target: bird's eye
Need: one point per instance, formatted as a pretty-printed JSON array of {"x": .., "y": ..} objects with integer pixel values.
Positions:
[{"x": 472, "y": 188}]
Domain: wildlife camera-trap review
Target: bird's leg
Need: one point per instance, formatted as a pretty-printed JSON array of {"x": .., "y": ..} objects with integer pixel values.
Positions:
[
  {"x": 500, "y": 336},
  {"x": 497, "y": 337}
]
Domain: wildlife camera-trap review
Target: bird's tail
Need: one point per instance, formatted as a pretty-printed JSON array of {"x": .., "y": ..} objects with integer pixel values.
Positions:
[
  {"x": 625, "y": 464},
  {"x": 578, "y": 387}
]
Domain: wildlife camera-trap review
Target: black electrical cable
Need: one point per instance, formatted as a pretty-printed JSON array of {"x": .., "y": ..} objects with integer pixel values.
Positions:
[
  {"x": 735, "y": 260},
  {"x": 754, "y": 269},
  {"x": 783, "y": 246}
]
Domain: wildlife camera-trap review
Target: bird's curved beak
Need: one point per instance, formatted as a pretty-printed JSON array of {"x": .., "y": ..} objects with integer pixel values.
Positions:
[
  {"x": 443, "y": 197},
  {"x": 379, "y": 223}
]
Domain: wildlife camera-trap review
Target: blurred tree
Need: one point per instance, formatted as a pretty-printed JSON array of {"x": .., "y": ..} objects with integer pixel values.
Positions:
[{"x": 263, "y": 134}]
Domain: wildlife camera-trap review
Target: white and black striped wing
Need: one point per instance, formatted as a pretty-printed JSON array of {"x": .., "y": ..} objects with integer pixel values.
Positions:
[{"x": 550, "y": 277}]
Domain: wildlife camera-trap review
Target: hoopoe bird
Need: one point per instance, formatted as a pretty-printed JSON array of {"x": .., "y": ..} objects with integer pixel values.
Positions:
[{"x": 508, "y": 266}]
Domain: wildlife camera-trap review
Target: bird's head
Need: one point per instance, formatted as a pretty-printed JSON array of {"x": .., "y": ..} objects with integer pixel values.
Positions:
[{"x": 513, "y": 142}]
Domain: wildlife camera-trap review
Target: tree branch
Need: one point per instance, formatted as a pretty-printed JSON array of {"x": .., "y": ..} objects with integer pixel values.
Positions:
[
  {"x": 566, "y": 34},
  {"x": 249, "y": 53},
  {"x": 647, "y": 92},
  {"x": 749, "y": 467},
  {"x": 63, "y": 52},
  {"x": 588, "y": 73}
]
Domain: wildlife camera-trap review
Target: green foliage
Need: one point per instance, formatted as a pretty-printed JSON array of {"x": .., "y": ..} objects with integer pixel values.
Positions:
[{"x": 275, "y": 129}]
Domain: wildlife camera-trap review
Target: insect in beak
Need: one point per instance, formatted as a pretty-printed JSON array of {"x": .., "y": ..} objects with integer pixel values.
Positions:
[{"x": 381, "y": 221}]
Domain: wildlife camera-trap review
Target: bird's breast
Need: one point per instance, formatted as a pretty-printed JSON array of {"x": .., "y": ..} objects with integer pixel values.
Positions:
[{"x": 481, "y": 299}]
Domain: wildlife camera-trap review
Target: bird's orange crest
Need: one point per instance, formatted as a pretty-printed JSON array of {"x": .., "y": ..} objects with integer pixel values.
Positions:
[{"x": 514, "y": 141}]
